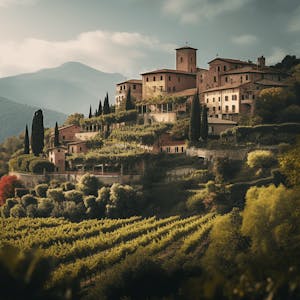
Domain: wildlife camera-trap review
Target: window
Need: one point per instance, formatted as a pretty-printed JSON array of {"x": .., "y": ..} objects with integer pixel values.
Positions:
[
  {"x": 219, "y": 99},
  {"x": 233, "y": 108},
  {"x": 64, "y": 137},
  {"x": 147, "y": 79},
  {"x": 253, "y": 96},
  {"x": 226, "y": 108},
  {"x": 169, "y": 78},
  {"x": 207, "y": 100},
  {"x": 161, "y": 149},
  {"x": 213, "y": 99},
  {"x": 226, "y": 79},
  {"x": 134, "y": 86},
  {"x": 178, "y": 79},
  {"x": 182, "y": 149},
  {"x": 58, "y": 150},
  {"x": 219, "y": 108},
  {"x": 153, "y": 78},
  {"x": 161, "y": 78},
  {"x": 176, "y": 149},
  {"x": 218, "y": 68},
  {"x": 243, "y": 97},
  {"x": 181, "y": 59},
  {"x": 174, "y": 88},
  {"x": 120, "y": 88},
  {"x": 226, "y": 98},
  {"x": 234, "y": 97},
  {"x": 215, "y": 79},
  {"x": 168, "y": 149},
  {"x": 247, "y": 77},
  {"x": 241, "y": 79},
  {"x": 224, "y": 68},
  {"x": 161, "y": 88},
  {"x": 214, "y": 109},
  {"x": 80, "y": 149}
]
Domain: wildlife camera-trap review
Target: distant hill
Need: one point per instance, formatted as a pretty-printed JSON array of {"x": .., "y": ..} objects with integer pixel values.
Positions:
[
  {"x": 69, "y": 88},
  {"x": 14, "y": 116}
]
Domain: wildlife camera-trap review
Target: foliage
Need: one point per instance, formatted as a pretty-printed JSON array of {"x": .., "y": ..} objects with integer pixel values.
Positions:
[
  {"x": 37, "y": 133},
  {"x": 204, "y": 124},
  {"x": 56, "y": 195},
  {"x": 68, "y": 186},
  {"x": 289, "y": 163},
  {"x": 180, "y": 129},
  {"x": 73, "y": 195},
  {"x": 89, "y": 184},
  {"x": 129, "y": 101},
  {"x": 41, "y": 190},
  {"x": 225, "y": 169},
  {"x": 56, "y": 136},
  {"x": 7, "y": 187},
  {"x": 195, "y": 119},
  {"x": 39, "y": 166},
  {"x": 26, "y": 141},
  {"x": 160, "y": 99},
  {"x": 260, "y": 159},
  {"x": 106, "y": 108},
  {"x": 95, "y": 142},
  {"x": 18, "y": 211},
  {"x": 27, "y": 200},
  {"x": 74, "y": 119}
]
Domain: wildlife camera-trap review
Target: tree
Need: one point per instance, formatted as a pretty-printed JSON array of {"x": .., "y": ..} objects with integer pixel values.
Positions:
[
  {"x": 195, "y": 118},
  {"x": 74, "y": 119},
  {"x": 96, "y": 113},
  {"x": 106, "y": 108},
  {"x": 100, "y": 108},
  {"x": 90, "y": 113},
  {"x": 89, "y": 184},
  {"x": 37, "y": 133},
  {"x": 204, "y": 124},
  {"x": 56, "y": 136},
  {"x": 26, "y": 141},
  {"x": 129, "y": 103},
  {"x": 7, "y": 187},
  {"x": 260, "y": 159}
]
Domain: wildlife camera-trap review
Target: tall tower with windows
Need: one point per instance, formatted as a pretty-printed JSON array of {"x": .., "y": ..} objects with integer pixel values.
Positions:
[{"x": 186, "y": 59}]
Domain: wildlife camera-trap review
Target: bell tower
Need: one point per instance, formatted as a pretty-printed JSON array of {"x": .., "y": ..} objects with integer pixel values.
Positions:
[{"x": 186, "y": 59}]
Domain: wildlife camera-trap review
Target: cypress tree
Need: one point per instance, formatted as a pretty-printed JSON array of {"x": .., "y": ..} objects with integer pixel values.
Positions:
[
  {"x": 90, "y": 113},
  {"x": 129, "y": 103},
  {"x": 26, "y": 141},
  {"x": 56, "y": 136},
  {"x": 204, "y": 124},
  {"x": 195, "y": 119},
  {"x": 106, "y": 108},
  {"x": 100, "y": 108},
  {"x": 37, "y": 133},
  {"x": 96, "y": 113}
]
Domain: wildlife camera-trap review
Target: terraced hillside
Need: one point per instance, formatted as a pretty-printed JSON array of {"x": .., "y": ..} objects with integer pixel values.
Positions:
[{"x": 90, "y": 249}]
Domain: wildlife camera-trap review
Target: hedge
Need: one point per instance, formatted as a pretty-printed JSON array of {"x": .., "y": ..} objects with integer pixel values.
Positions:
[
  {"x": 41, "y": 165},
  {"x": 30, "y": 163}
]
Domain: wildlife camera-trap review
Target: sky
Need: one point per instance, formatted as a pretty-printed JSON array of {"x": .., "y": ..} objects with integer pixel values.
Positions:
[{"x": 134, "y": 36}]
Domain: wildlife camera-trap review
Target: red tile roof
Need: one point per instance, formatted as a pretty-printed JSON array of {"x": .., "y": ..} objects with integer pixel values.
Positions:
[
  {"x": 233, "y": 61},
  {"x": 136, "y": 81},
  {"x": 169, "y": 71}
]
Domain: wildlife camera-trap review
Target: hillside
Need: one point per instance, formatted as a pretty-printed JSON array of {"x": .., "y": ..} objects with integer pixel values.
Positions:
[
  {"x": 69, "y": 88},
  {"x": 14, "y": 116}
]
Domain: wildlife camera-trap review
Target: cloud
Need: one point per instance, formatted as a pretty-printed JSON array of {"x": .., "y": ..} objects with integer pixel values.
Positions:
[
  {"x": 6, "y": 3},
  {"x": 123, "y": 52},
  {"x": 245, "y": 39},
  {"x": 294, "y": 24},
  {"x": 193, "y": 11},
  {"x": 276, "y": 56}
]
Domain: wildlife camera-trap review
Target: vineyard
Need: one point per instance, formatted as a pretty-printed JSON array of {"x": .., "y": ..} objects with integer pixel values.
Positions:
[{"x": 85, "y": 251}]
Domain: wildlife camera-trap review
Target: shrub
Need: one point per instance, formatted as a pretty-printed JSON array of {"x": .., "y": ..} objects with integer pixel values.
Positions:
[
  {"x": 73, "y": 211},
  {"x": 260, "y": 159},
  {"x": 89, "y": 201},
  {"x": 45, "y": 207},
  {"x": 74, "y": 196},
  {"x": 225, "y": 168},
  {"x": 18, "y": 211},
  {"x": 19, "y": 192},
  {"x": 28, "y": 200},
  {"x": 55, "y": 183},
  {"x": 31, "y": 211},
  {"x": 195, "y": 202},
  {"x": 211, "y": 186},
  {"x": 5, "y": 211},
  {"x": 7, "y": 187},
  {"x": 68, "y": 186},
  {"x": 41, "y": 190},
  {"x": 40, "y": 165},
  {"x": 11, "y": 202},
  {"x": 89, "y": 184},
  {"x": 56, "y": 195}
]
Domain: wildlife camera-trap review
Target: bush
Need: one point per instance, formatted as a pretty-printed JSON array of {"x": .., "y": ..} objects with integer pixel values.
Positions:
[
  {"x": 68, "y": 186},
  {"x": 260, "y": 159},
  {"x": 195, "y": 203},
  {"x": 5, "y": 211},
  {"x": 56, "y": 195},
  {"x": 45, "y": 207},
  {"x": 28, "y": 200},
  {"x": 55, "y": 183},
  {"x": 38, "y": 166},
  {"x": 89, "y": 184},
  {"x": 7, "y": 187},
  {"x": 73, "y": 211},
  {"x": 41, "y": 190},
  {"x": 32, "y": 211},
  {"x": 19, "y": 192},
  {"x": 89, "y": 201},
  {"x": 225, "y": 168},
  {"x": 18, "y": 211},
  {"x": 11, "y": 202},
  {"x": 74, "y": 196}
]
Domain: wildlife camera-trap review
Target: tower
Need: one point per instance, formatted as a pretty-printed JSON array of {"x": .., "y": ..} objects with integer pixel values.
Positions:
[{"x": 186, "y": 59}]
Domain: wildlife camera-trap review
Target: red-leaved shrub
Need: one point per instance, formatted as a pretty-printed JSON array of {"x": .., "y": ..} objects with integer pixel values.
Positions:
[{"x": 7, "y": 187}]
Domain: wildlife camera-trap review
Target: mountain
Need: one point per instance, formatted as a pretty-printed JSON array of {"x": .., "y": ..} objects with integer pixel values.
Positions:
[
  {"x": 69, "y": 88},
  {"x": 14, "y": 116}
]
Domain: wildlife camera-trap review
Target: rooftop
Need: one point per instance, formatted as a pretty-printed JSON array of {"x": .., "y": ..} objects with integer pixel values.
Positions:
[
  {"x": 169, "y": 71},
  {"x": 268, "y": 82},
  {"x": 185, "y": 47},
  {"x": 136, "y": 81},
  {"x": 183, "y": 93},
  {"x": 225, "y": 87},
  {"x": 76, "y": 143},
  {"x": 232, "y": 61},
  {"x": 249, "y": 69}
]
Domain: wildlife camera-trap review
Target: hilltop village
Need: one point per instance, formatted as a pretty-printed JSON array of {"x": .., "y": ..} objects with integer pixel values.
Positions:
[{"x": 228, "y": 90}]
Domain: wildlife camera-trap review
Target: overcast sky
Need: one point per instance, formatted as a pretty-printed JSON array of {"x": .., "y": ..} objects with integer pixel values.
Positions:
[{"x": 132, "y": 36}]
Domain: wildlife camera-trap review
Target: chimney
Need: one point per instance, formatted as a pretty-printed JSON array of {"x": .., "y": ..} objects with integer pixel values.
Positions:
[{"x": 261, "y": 62}]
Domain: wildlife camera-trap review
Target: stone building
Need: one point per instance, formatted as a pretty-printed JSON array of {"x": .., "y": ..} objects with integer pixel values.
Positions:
[
  {"x": 66, "y": 134},
  {"x": 122, "y": 88},
  {"x": 57, "y": 156}
]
